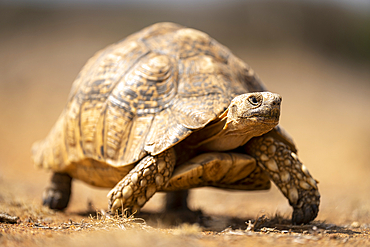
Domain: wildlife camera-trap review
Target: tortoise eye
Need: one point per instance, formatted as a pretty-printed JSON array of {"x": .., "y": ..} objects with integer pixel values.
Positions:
[{"x": 253, "y": 100}]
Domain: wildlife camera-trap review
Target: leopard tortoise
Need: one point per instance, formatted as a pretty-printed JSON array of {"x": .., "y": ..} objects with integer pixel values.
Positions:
[{"x": 170, "y": 109}]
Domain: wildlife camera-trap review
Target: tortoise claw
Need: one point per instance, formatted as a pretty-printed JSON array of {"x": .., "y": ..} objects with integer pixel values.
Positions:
[
  {"x": 55, "y": 199},
  {"x": 305, "y": 214}
]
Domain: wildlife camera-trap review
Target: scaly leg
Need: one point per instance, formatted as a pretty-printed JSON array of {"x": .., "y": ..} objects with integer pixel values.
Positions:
[
  {"x": 57, "y": 195},
  {"x": 147, "y": 177},
  {"x": 289, "y": 174}
]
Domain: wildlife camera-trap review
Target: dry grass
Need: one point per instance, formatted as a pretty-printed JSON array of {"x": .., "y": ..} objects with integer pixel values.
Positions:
[
  {"x": 38, "y": 226},
  {"x": 325, "y": 108}
]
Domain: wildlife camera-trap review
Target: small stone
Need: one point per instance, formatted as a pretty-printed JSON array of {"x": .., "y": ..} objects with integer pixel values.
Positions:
[
  {"x": 301, "y": 241},
  {"x": 263, "y": 148},
  {"x": 355, "y": 224},
  {"x": 127, "y": 192},
  {"x": 6, "y": 218}
]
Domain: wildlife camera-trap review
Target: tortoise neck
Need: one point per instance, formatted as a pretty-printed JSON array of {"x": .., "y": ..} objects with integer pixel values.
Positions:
[{"x": 214, "y": 137}]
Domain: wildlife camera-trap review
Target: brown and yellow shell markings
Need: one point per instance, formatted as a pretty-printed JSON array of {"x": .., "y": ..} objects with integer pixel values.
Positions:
[{"x": 166, "y": 109}]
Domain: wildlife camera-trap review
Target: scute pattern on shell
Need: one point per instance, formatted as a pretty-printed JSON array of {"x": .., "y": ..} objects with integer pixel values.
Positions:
[{"x": 143, "y": 95}]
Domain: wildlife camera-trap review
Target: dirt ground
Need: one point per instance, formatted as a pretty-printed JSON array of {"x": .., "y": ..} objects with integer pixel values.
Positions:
[{"x": 325, "y": 108}]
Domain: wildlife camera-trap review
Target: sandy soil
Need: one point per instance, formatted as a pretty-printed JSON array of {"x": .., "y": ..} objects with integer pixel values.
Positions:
[{"x": 325, "y": 109}]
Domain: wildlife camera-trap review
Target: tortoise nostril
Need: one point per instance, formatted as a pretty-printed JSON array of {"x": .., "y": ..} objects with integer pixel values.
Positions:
[{"x": 276, "y": 101}]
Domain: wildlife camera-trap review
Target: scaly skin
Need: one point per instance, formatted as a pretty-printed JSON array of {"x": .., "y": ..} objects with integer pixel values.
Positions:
[
  {"x": 137, "y": 187},
  {"x": 289, "y": 175}
]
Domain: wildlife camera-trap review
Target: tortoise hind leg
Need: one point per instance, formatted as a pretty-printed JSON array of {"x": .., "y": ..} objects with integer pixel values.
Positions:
[
  {"x": 57, "y": 195},
  {"x": 176, "y": 209},
  {"x": 177, "y": 201}
]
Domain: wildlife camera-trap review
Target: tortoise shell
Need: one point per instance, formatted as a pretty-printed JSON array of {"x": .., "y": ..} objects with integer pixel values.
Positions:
[{"x": 144, "y": 95}]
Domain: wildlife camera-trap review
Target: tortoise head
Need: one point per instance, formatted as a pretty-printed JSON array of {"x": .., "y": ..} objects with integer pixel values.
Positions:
[
  {"x": 248, "y": 115},
  {"x": 253, "y": 114}
]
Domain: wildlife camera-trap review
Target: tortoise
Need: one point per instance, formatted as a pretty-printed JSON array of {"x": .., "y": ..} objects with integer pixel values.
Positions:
[{"x": 169, "y": 109}]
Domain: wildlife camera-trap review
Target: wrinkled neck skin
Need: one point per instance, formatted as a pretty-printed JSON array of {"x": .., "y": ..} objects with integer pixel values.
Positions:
[{"x": 225, "y": 139}]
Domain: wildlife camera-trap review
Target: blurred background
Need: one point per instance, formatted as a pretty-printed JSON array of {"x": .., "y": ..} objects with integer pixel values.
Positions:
[{"x": 316, "y": 54}]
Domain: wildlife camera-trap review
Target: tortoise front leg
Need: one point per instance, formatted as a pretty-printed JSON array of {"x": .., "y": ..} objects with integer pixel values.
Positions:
[
  {"x": 289, "y": 174},
  {"x": 147, "y": 177}
]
